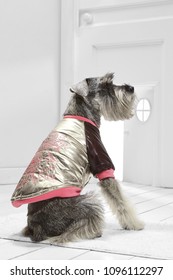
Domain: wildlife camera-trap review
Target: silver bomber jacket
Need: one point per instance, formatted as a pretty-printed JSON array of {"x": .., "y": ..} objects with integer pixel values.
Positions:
[{"x": 63, "y": 164}]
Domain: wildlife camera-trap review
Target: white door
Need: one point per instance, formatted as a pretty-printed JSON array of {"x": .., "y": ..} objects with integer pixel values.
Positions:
[{"x": 134, "y": 40}]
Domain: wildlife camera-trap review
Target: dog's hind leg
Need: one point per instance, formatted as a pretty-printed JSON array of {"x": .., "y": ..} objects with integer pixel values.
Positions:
[
  {"x": 83, "y": 229},
  {"x": 88, "y": 225},
  {"x": 119, "y": 205}
]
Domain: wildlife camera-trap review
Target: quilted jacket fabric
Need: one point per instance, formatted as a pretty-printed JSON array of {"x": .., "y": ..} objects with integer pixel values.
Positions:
[{"x": 64, "y": 163}]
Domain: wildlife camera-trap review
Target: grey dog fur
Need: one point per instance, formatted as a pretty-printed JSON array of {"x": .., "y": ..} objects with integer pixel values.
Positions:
[{"x": 63, "y": 220}]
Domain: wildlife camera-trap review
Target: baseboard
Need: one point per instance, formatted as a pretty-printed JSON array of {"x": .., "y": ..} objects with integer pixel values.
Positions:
[{"x": 10, "y": 175}]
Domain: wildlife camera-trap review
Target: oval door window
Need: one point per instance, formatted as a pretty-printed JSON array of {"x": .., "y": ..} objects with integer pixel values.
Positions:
[{"x": 143, "y": 110}]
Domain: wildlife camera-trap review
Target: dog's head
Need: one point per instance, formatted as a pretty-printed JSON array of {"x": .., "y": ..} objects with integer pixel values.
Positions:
[{"x": 115, "y": 102}]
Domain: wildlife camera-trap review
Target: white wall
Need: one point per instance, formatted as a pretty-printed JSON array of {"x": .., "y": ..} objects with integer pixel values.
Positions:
[{"x": 29, "y": 80}]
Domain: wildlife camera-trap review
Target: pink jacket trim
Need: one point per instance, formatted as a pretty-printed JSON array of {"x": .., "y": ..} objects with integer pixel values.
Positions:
[
  {"x": 80, "y": 118},
  {"x": 105, "y": 174},
  {"x": 63, "y": 192}
]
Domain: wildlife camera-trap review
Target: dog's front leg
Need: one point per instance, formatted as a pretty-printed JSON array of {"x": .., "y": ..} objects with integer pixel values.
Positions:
[{"x": 119, "y": 205}]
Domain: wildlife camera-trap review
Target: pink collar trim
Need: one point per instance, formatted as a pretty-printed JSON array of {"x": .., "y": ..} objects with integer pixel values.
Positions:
[{"x": 80, "y": 118}]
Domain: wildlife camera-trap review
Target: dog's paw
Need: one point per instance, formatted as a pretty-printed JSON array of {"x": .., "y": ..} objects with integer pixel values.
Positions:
[
  {"x": 137, "y": 225},
  {"x": 140, "y": 225},
  {"x": 58, "y": 240}
]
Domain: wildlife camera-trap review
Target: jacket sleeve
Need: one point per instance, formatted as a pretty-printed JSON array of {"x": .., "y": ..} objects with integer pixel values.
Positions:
[{"x": 100, "y": 163}]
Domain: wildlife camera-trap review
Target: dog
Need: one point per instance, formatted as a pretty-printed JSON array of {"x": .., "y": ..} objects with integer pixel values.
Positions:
[{"x": 65, "y": 162}]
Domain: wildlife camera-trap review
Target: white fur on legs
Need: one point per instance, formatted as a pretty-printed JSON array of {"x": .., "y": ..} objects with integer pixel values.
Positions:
[{"x": 119, "y": 205}]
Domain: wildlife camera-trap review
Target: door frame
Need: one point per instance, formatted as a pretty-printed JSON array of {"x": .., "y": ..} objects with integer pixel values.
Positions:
[{"x": 67, "y": 67}]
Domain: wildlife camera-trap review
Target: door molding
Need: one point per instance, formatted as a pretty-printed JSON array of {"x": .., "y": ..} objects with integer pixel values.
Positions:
[
  {"x": 130, "y": 44},
  {"x": 96, "y": 6}
]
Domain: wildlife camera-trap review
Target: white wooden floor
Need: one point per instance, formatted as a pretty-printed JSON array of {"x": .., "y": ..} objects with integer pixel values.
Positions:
[{"x": 152, "y": 204}]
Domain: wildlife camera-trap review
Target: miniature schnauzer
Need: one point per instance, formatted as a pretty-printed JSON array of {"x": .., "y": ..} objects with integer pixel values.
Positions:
[{"x": 65, "y": 161}]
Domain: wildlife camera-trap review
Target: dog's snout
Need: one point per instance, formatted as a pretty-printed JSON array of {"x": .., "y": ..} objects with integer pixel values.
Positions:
[{"x": 129, "y": 88}]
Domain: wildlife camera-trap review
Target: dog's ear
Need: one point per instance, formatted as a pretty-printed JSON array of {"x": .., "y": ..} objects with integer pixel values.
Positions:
[
  {"x": 80, "y": 88},
  {"x": 107, "y": 79}
]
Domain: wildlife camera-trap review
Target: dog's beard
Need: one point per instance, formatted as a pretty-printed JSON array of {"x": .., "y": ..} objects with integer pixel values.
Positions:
[{"x": 120, "y": 107}]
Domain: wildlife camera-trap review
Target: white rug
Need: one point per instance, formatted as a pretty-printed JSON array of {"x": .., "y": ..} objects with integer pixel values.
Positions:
[{"x": 155, "y": 241}]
